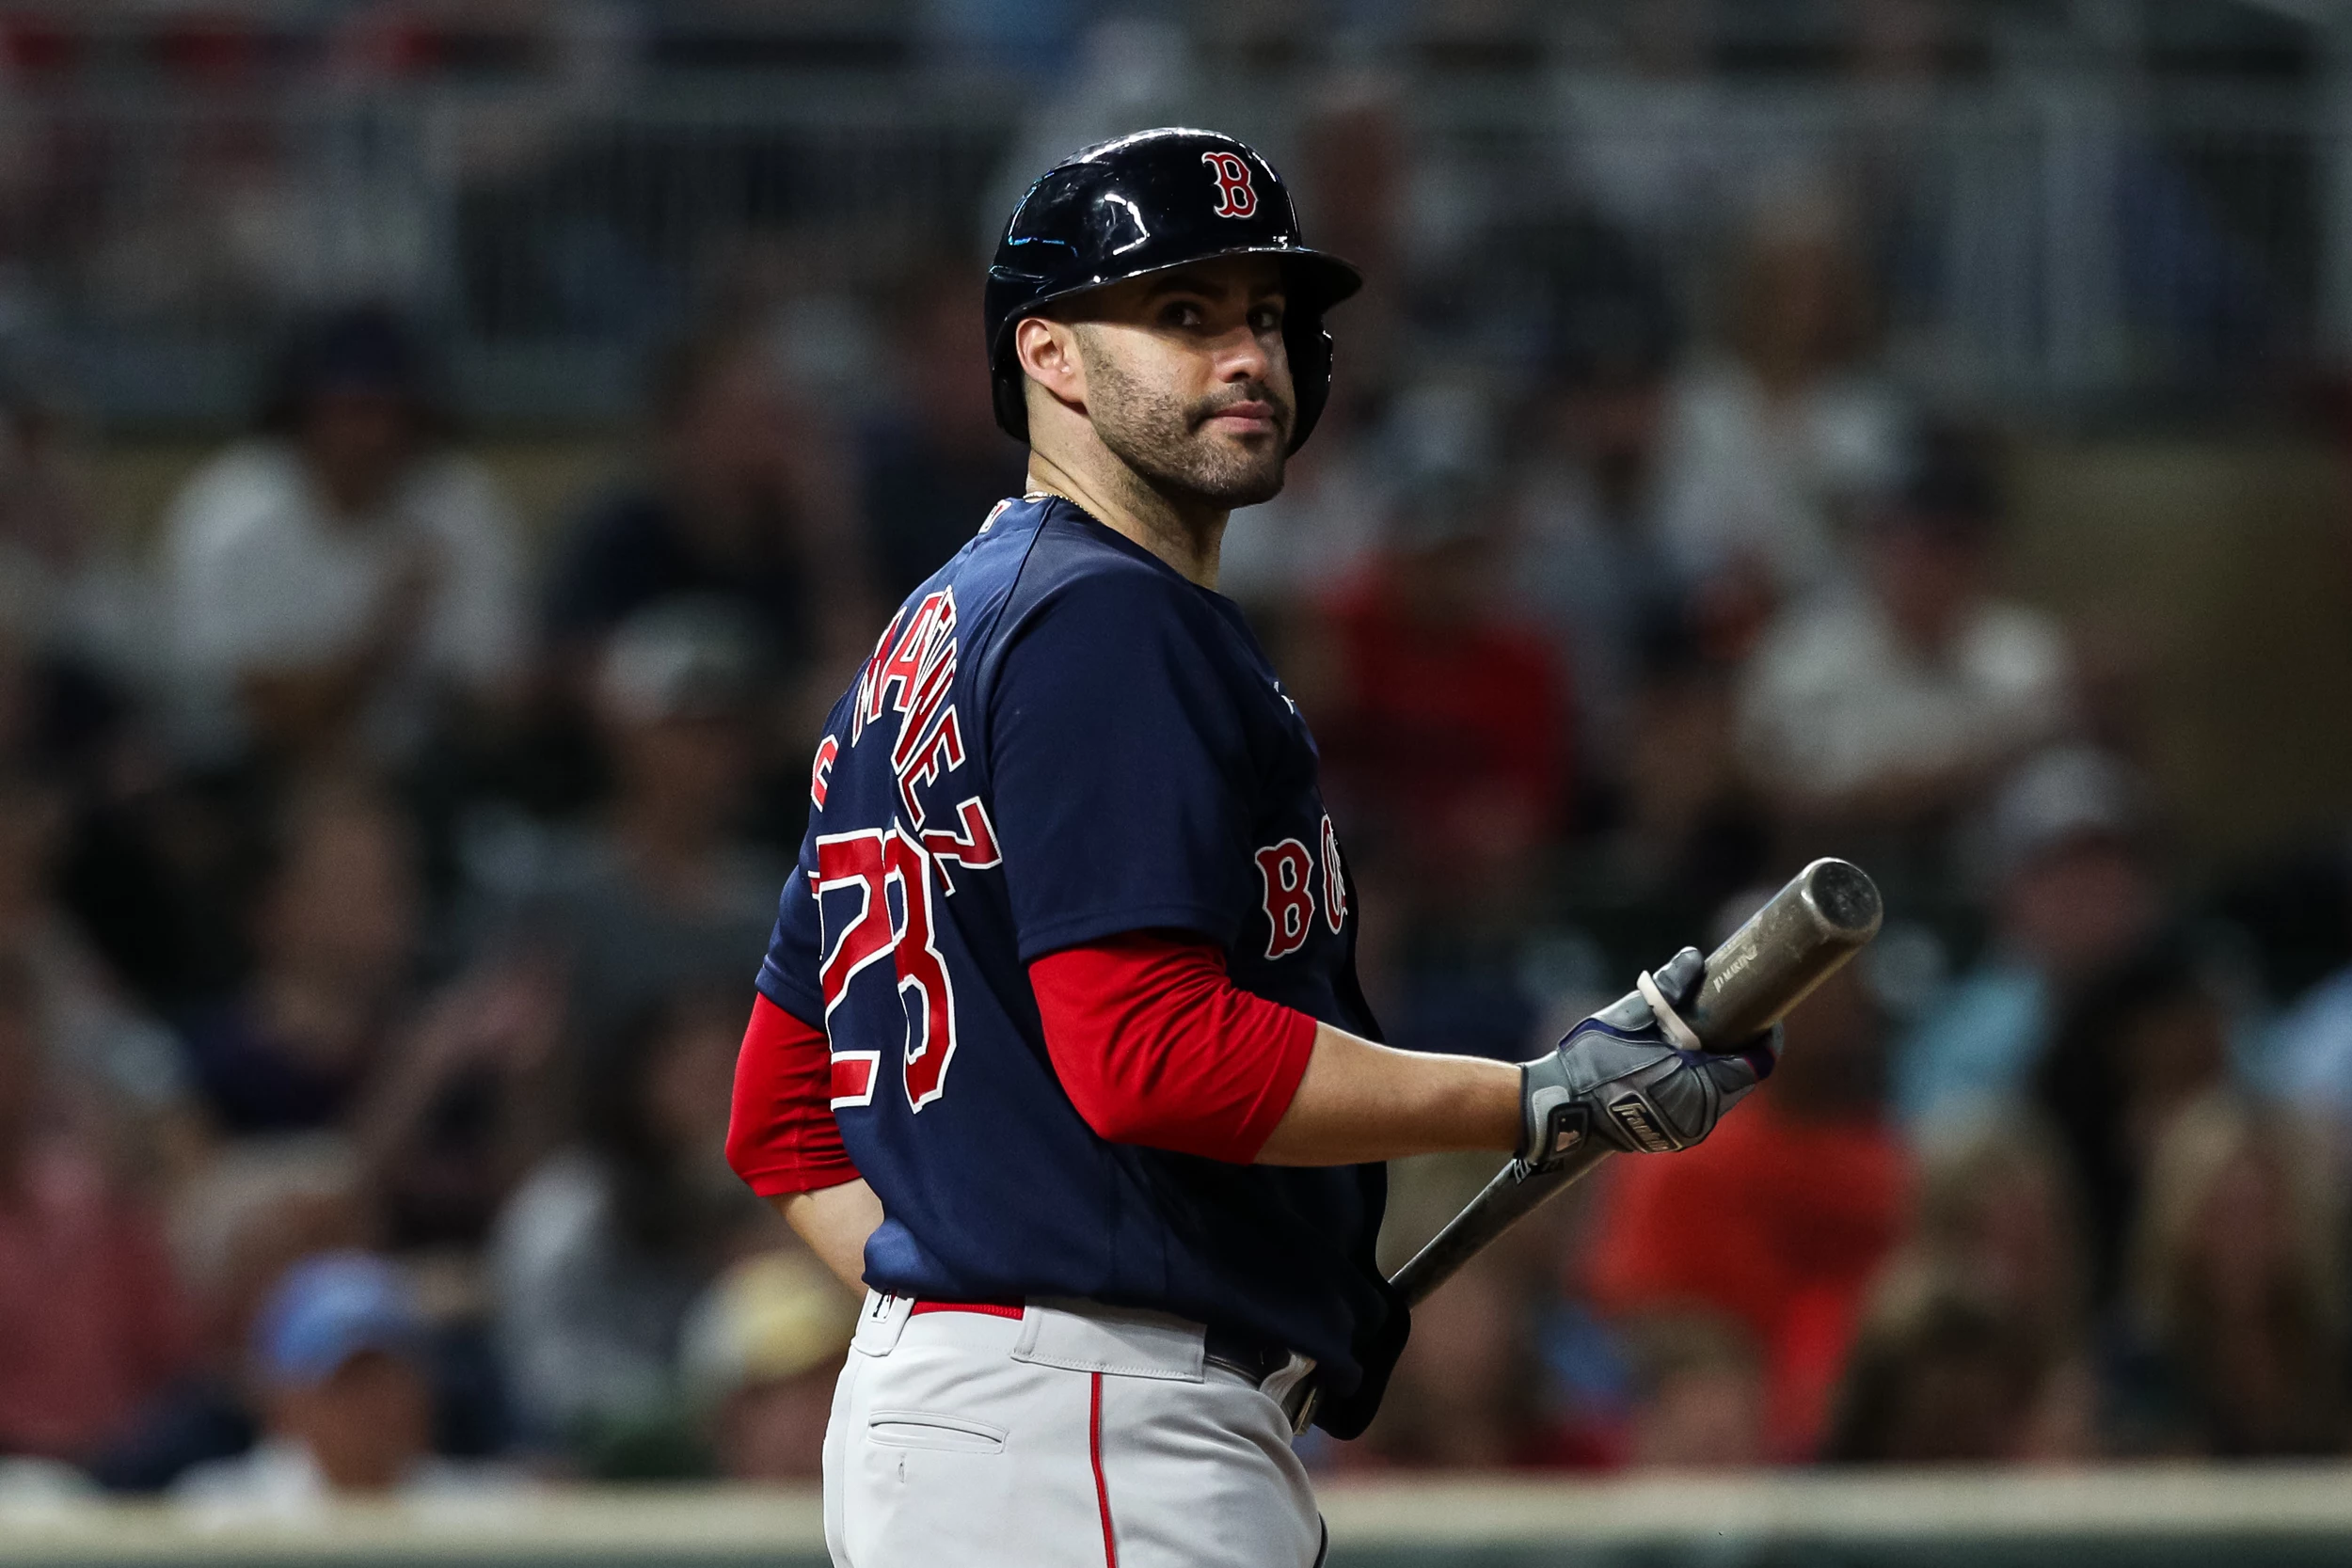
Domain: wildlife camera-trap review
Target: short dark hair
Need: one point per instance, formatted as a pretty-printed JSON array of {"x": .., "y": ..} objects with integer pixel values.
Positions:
[
  {"x": 1949, "y": 482},
  {"x": 371, "y": 347}
]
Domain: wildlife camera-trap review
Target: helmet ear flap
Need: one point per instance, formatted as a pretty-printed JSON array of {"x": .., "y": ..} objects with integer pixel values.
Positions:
[
  {"x": 1010, "y": 395},
  {"x": 1308, "y": 343}
]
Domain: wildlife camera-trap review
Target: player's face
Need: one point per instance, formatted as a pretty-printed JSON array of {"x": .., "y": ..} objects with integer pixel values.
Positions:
[{"x": 1188, "y": 381}]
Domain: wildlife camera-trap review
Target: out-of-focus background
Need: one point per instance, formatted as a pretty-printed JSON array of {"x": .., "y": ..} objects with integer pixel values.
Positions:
[{"x": 451, "y": 453}]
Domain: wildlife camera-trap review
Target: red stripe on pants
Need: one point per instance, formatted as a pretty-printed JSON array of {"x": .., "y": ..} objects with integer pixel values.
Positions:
[{"x": 1101, "y": 1493}]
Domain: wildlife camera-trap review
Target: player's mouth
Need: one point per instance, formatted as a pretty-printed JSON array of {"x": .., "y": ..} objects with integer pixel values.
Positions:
[{"x": 1250, "y": 417}]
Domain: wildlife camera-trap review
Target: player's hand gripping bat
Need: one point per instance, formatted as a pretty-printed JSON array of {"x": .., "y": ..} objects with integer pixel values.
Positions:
[{"x": 1794, "y": 942}]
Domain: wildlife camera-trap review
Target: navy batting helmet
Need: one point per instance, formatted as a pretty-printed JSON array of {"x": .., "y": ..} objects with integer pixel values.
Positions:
[{"x": 1148, "y": 201}]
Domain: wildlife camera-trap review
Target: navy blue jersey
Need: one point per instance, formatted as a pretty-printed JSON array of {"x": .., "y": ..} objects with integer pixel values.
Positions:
[{"x": 1058, "y": 739}]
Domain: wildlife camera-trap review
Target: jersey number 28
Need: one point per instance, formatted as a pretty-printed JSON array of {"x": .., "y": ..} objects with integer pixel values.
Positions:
[{"x": 877, "y": 863}]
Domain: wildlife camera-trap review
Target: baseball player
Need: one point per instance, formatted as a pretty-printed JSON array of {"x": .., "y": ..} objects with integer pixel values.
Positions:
[{"x": 1058, "y": 1048}]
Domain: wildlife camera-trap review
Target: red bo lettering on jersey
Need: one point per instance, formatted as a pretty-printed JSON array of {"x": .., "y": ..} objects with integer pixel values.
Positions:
[
  {"x": 1334, "y": 878},
  {"x": 1290, "y": 899}
]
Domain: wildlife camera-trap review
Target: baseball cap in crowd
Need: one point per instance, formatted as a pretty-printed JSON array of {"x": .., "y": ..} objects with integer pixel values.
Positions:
[
  {"x": 2062, "y": 796},
  {"x": 1441, "y": 452},
  {"x": 767, "y": 1319},
  {"x": 689, "y": 657},
  {"x": 1948, "y": 483},
  {"x": 360, "y": 348},
  {"x": 330, "y": 1308}
]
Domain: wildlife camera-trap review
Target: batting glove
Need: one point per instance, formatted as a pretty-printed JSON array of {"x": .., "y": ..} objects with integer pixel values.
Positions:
[{"x": 1633, "y": 1076}]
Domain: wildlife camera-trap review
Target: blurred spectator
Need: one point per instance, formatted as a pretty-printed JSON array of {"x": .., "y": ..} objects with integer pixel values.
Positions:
[
  {"x": 1360, "y": 166},
  {"x": 1941, "y": 1373},
  {"x": 659, "y": 891},
  {"x": 2310, "y": 1057},
  {"x": 1779, "y": 1220},
  {"x": 1887, "y": 704},
  {"x": 741, "y": 503},
  {"x": 1655, "y": 146},
  {"x": 59, "y": 710},
  {"x": 237, "y": 1225},
  {"x": 761, "y": 1351},
  {"x": 932, "y": 468},
  {"x": 1590, "y": 555},
  {"x": 88, "y": 597},
  {"x": 340, "y": 1355},
  {"x": 342, "y": 575},
  {"x": 1449, "y": 729},
  {"x": 1462, "y": 1397},
  {"x": 1996, "y": 1207},
  {"x": 460, "y": 1109},
  {"x": 1773, "y": 443},
  {"x": 2140, "y": 1041},
  {"x": 604, "y": 1250},
  {"x": 2237, "y": 1273},
  {"x": 90, "y": 1316},
  {"x": 2072, "y": 891},
  {"x": 115, "y": 1061},
  {"x": 1698, "y": 1394},
  {"x": 1685, "y": 828},
  {"x": 2134, "y": 1044},
  {"x": 335, "y": 936}
]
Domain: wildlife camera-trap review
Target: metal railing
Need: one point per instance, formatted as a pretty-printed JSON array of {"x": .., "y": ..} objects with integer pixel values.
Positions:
[
  {"x": 2160, "y": 1515},
  {"x": 2069, "y": 244}
]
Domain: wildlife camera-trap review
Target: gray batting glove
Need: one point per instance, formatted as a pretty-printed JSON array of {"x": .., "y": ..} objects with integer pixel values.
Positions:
[{"x": 1632, "y": 1075}]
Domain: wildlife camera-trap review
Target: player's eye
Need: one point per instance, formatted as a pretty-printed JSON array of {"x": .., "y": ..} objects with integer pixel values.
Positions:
[
  {"x": 1265, "y": 318},
  {"x": 1183, "y": 313}
]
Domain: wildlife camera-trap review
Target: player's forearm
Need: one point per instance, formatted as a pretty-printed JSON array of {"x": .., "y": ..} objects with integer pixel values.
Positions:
[
  {"x": 835, "y": 1222},
  {"x": 1361, "y": 1102}
]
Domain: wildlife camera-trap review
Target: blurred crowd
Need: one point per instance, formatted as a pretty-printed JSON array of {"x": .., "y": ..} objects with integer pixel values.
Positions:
[
  {"x": 382, "y": 880},
  {"x": 380, "y": 934}
]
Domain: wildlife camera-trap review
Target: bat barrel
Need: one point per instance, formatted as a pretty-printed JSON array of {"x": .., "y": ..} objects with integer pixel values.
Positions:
[{"x": 1796, "y": 941}]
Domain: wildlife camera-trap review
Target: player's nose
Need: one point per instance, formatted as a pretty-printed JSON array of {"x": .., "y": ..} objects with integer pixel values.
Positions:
[{"x": 1240, "y": 354}]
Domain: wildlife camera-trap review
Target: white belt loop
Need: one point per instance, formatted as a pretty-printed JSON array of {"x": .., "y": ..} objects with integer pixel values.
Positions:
[{"x": 880, "y": 1323}]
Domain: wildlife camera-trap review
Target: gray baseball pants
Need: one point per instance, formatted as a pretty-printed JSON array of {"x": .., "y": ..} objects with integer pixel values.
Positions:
[{"x": 1072, "y": 1436}]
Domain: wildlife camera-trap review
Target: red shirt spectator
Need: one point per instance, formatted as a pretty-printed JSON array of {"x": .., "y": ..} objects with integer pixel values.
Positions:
[
  {"x": 1780, "y": 1219},
  {"x": 90, "y": 1318},
  {"x": 1452, "y": 724}
]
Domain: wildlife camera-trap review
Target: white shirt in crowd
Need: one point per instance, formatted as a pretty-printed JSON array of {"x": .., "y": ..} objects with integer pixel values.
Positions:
[
  {"x": 1745, "y": 478},
  {"x": 1834, "y": 701},
  {"x": 261, "y": 576}
]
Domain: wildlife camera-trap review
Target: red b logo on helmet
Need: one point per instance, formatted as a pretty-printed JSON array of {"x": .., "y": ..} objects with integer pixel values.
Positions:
[{"x": 1235, "y": 196}]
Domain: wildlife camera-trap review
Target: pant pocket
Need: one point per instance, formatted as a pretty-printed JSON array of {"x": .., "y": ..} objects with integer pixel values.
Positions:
[{"x": 930, "y": 1428}]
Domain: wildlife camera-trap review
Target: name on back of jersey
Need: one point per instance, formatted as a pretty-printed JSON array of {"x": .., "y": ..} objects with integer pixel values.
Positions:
[{"x": 912, "y": 673}]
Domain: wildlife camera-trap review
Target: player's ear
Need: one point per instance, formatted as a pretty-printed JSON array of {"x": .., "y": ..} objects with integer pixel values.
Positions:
[{"x": 1048, "y": 354}]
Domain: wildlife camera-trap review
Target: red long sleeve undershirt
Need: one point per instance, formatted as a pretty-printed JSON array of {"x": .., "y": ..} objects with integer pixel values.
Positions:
[
  {"x": 1150, "y": 1039},
  {"x": 780, "y": 1134},
  {"x": 1155, "y": 1045}
]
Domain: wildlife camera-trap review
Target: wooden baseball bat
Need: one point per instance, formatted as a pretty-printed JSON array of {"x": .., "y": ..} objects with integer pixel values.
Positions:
[{"x": 1804, "y": 935}]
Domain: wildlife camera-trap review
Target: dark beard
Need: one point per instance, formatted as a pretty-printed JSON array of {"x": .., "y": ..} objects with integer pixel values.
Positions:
[{"x": 1159, "y": 437}]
